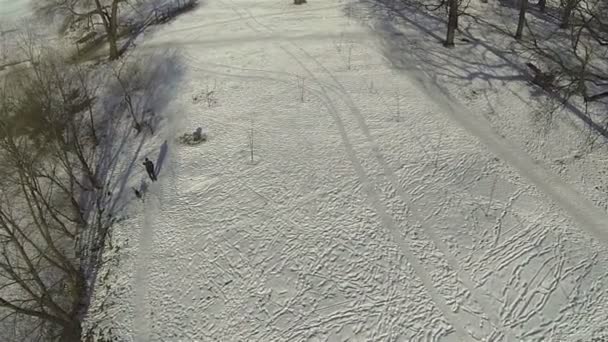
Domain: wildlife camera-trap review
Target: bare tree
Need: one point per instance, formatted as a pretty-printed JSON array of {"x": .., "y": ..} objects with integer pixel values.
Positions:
[
  {"x": 453, "y": 8},
  {"x": 577, "y": 65},
  {"x": 210, "y": 94},
  {"x": 523, "y": 7},
  {"x": 127, "y": 94},
  {"x": 40, "y": 274},
  {"x": 47, "y": 166},
  {"x": 301, "y": 81},
  {"x": 589, "y": 42},
  {"x": 568, "y": 6},
  {"x": 542, "y": 5},
  {"x": 452, "y": 22},
  {"x": 250, "y": 140},
  {"x": 89, "y": 92},
  {"x": 92, "y": 13}
]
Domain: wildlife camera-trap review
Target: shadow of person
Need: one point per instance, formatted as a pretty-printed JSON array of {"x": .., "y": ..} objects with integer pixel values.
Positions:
[{"x": 161, "y": 157}]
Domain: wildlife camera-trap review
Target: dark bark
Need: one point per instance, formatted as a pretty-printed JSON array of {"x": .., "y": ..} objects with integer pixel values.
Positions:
[
  {"x": 543, "y": 79},
  {"x": 596, "y": 97},
  {"x": 113, "y": 31},
  {"x": 40, "y": 245},
  {"x": 110, "y": 24},
  {"x": 452, "y": 22},
  {"x": 542, "y": 5},
  {"x": 71, "y": 332},
  {"x": 568, "y": 8},
  {"x": 523, "y": 7}
]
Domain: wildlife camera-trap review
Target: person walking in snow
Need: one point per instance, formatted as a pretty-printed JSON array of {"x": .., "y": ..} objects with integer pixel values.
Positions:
[{"x": 150, "y": 169}]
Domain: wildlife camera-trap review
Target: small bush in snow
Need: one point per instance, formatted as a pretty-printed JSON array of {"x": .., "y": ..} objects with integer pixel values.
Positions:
[
  {"x": 195, "y": 138},
  {"x": 208, "y": 95}
]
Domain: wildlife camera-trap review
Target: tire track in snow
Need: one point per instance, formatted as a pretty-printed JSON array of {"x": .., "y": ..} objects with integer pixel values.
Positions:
[
  {"x": 314, "y": 93},
  {"x": 229, "y": 244},
  {"x": 374, "y": 198},
  {"x": 196, "y": 64},
  {"x": 229, "y": 21},
  {"x": 217, "y": 43},
  {"x": 584, "y": 212},
  {"x": 264, "y": 77},
  {"x": 142, "y": 329},
  {"x": 483, "y": 132},
  {"x": 141, "y": 319},
  {"x": 478, "y": 294},
  {"x": 581, "y": 209},
  {"x": 482, "y": 298}
]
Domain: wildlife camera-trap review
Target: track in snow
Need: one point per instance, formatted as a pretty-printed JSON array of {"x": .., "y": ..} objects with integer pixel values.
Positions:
[{"x": 379, "y": 189}]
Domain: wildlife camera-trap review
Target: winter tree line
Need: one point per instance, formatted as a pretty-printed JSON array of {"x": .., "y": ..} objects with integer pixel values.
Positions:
[
  {"x": 59, "y": 119},
  {"x": 569, "y": 44},
  {"x": 48, "y": 147}
]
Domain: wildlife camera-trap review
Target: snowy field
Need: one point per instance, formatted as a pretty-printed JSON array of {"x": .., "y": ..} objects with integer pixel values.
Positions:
[
  {"x": 13, "y": 9},
  {"x": 382, "y": 204}
]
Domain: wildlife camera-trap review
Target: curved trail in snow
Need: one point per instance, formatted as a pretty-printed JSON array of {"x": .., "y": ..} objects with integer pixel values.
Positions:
[
  {"x": 582, "y": 210},
  {"x": 153, "y": 206},
  {"x": 589, "y": 218},
  {"x": 342, "y": 108},
  {"x": 229, "y": 21},
  {"x": 374, "y": 197},
  {"x": 141, "y": 319}
]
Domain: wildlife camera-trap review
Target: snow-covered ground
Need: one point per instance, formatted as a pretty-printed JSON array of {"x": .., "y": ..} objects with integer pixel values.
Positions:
[
  {"x": 10, "y": 9},
  {"x": 381, "y": 205}
]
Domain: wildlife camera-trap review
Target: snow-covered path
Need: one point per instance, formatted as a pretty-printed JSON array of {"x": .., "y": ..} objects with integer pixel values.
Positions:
[{"x": 376, "y": 208}]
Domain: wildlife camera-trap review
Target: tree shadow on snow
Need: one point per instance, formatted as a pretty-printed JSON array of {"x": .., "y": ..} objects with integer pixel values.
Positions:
[
  {"x": 484, "y": 52},
  {"x": 155, "y": 86},
  {"x": 121, "y": 146},
  {"x": 551, "y": 13},
  {"x": 410, "y": 51},
  {"x": 155, "y": 13}
]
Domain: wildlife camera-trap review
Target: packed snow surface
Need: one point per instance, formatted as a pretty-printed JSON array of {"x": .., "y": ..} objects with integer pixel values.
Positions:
[
  {"x": 12, "y": 9},
  {"x": 377, "y": 206}
]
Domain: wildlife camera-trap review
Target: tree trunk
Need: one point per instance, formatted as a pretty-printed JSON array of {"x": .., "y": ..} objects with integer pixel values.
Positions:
[
  {"x": 71, "y": 333},
  {"x": 113, "y": 31},
  {"x": 113, "y": 47},
  {"x": 542, "y": 4},
  {"x": 523, "y": 6},
  {"x": 452, "y": 22},
  {"x": 110, "y": 23},
  {"x": 568, "y": 8}
]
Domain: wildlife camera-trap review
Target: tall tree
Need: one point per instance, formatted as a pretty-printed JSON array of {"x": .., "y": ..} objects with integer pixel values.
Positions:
[
  {"x": 578, "y": 67},
  {"x": 47, "y": 171},
  {"x": 542, "y": 5},
  {"x": 523, "y": 7},
  {"x": 91, "y": 12},
  {"x": 452, "y": 22},
  {"x": 568, "y": 6}
]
